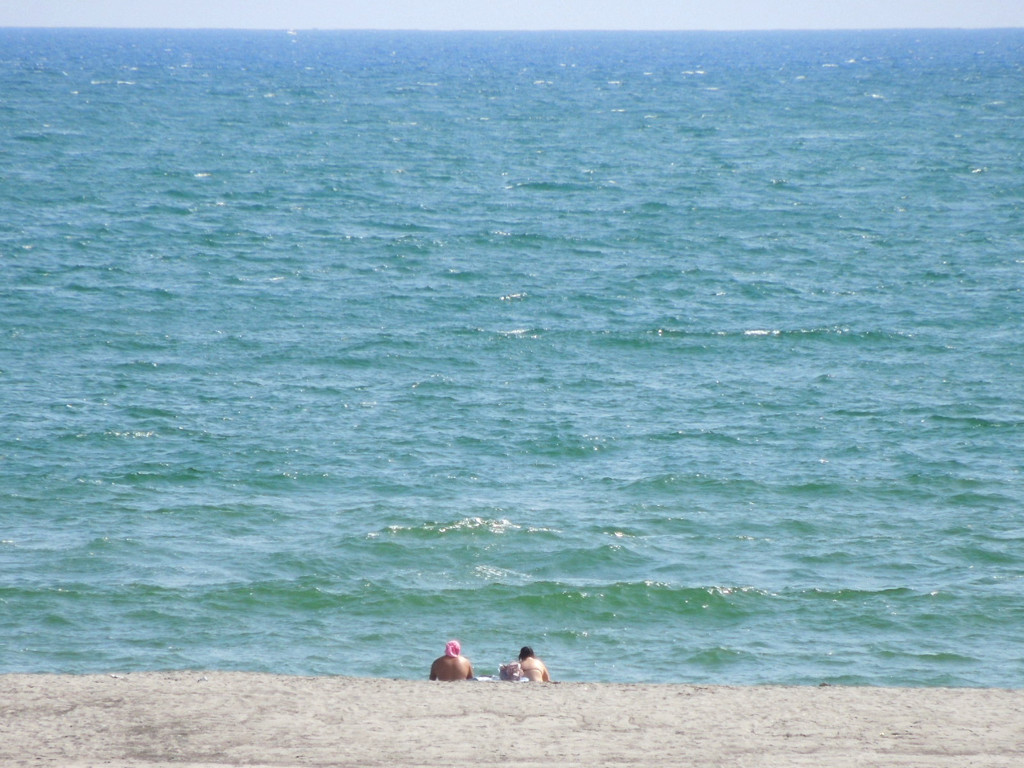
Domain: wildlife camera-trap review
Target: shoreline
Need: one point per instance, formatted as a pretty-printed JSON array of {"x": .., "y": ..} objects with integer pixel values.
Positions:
[{"x": 207, "y": 719}]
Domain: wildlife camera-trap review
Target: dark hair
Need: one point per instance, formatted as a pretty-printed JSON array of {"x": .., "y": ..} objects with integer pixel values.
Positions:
[{"x": 525, "y": 652}]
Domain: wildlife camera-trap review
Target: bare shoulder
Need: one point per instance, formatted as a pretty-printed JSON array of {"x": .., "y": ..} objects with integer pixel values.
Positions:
[{"x": 536, "y": 670}]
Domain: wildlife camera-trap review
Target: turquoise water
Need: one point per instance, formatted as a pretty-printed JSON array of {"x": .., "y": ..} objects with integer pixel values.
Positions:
[{"x": 680, "y": 357}]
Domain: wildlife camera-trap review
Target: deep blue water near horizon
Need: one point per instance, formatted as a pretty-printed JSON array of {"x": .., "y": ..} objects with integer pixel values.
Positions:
[{"x": 682, "y": 357}]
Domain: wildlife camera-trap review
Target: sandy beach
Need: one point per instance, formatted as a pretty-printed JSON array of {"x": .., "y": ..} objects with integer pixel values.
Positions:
[{"x": 239, "y": 719}]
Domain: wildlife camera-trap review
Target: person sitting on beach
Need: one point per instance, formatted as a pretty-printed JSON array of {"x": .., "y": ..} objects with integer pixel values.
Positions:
[
  {"x": 453, "y": 665},
  {"x": 533, "y": 668}
]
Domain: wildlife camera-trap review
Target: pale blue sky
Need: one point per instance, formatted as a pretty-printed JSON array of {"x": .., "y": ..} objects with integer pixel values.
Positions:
[{"x": 514, "y": 14}]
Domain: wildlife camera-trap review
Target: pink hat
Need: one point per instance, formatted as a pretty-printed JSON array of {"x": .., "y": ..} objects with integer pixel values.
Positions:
[{"x": 453, "y": 648}]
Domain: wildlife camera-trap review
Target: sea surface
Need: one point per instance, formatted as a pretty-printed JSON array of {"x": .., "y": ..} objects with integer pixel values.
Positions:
[{"x": 689, "y": 357}]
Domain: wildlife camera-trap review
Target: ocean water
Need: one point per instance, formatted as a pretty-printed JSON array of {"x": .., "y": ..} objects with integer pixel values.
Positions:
[{"x": 679, "y": 357}]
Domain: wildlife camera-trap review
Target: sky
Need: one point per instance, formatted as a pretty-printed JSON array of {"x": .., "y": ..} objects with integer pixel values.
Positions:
[{"x": 514, "y": 14}]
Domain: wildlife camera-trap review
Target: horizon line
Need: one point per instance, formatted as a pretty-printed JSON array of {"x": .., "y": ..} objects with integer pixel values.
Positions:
[{"x": 296, "y": 30}]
